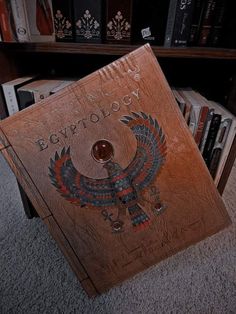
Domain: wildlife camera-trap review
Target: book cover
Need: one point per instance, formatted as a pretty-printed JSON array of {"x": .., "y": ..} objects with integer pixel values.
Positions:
[
  {"x": 180, "y": 100},
  {"x": 20, "y": 20},
  {"x": 63, "y": 20},
  {"x": 88, "y": 20},
  {"x": 206, "y": 129},
  {"x": 7, "y": 24},
  {"x": 114, "y": 173},
  {"x": 40, "y": 20},
  {"x": 10, "y": 93},
  {"x": 118, "y": 21},
  {"x": 217, "y": 27},
  {"x": 149, "y": 21}
]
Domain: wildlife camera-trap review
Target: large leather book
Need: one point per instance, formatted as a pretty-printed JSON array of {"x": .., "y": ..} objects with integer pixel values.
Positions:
[{"x": 113, "y": 171}]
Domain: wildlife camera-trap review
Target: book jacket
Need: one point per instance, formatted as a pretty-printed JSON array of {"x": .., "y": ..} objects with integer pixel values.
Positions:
[{"x": 111, "y": 168}]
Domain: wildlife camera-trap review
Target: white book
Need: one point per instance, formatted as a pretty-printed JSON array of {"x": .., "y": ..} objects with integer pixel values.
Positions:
[
  {"x": 10, "y": 93},
  {"x": 40, "y": 20},
  {"x": 20, "y": 20},
  {"x": 61, "y": 86},
  {"x": 229, "y": 141},
  {"x": 181, "y": 102}
]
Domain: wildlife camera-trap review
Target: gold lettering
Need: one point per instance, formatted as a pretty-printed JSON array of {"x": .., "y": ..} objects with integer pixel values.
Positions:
[{"x": 42, "y": 144}]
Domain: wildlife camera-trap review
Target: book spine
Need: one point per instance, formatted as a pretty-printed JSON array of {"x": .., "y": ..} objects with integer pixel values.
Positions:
[
  {"x": 118, "y": 21},
  {"x": 63, "y": 20},
  {"x": 6, "y": 22},
  {"x": 170, "y": 23},
  {"x": 88, "y": 21},
  {"x": 216, "y": 31},
  {"x": 3, "y": 107},
  {"x": 214, "y": 161},
  {"x": 201, "y": 122},
  {"x": 214, "y": 127},
  {"x": 207, "y": 21},
  {"x": 21, "y": 25},
  {"x": 26, "y": 99},
  {"x": 206, "y": 129},
  {"x": 10, "y": 98},
  {"x": 183, "y": 18},
  {"x": 196, "y": 22}
]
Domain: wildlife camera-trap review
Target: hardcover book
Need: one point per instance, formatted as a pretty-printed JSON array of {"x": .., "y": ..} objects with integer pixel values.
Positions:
[
  {"x": 118, "y": 21},
  {"x": 149, "y": 22},
  {"x": 113, "y": 171},
  {"x": 63, "y": 20},
  {"x": 88, "y": 21}
]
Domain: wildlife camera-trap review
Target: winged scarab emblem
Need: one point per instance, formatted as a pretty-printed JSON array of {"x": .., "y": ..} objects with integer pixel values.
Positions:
[{"x": 122, "y": 187}]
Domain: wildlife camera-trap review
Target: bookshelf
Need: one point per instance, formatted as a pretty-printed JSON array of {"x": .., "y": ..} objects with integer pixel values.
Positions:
[{"x": 209, "y": 70}]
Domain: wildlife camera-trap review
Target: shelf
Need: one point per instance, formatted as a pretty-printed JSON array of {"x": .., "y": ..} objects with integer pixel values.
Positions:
[{"x": 119, "y": 50}]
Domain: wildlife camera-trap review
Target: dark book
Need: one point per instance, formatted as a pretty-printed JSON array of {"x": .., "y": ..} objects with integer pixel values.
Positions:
[
  {"x": 7, "y": 24},
  {"x": 216, "y": 31},
  {"x": 88, "y": 21},
  {"x": 212, "y": 133},
  {"x": 63, "y": 20},
  {"x": 3, "y": 107},
  {"x": 196, "y": 22},
  {"x": 229, "y": 25},
  {"x": 179, "y": 22},
  {"x": 215, "y": 161},
  {"x": 149, "y": 22},
  {"x": 207, "y": 22},
  {"x": 118, "y": 21}
]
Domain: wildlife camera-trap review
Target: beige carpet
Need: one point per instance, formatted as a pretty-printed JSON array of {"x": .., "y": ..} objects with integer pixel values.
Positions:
[{"x": 35, "y": 278}]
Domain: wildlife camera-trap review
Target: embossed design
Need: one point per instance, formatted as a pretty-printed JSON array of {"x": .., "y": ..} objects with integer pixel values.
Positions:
[
  {"x": 87, "y": 26},
  {"x": 122, "y": 186},
  {"x": 118, "y": 27},
  {"x": 62, "y": 25}
]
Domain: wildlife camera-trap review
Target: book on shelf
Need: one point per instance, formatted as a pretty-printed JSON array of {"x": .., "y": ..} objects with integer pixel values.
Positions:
[
  {"x": 149, "y": 21},
  {"x": 10, "y": 92},
  {"x": 178, "y": 23},
  {"x": 40, "y": 20},
  {"x": 207, "y": 22},
  {"x": 88, "y": 21},
  {"x": 20, "y": 20},
  {"x": 216, "y": 33},
  {"x": 118, "y": 21},
  {"x": 180, "y": 100},
  {"x": 149, "y": 165},
  {"x": 63, "y": 20},
  {"x": 7, "y": 24},
  {"x": 196, "y": 22},
  {"x": 3, "y": 107},
  {"x": 37, "y": 90}
]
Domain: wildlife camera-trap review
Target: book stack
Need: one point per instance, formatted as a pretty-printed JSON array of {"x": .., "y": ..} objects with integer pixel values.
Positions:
[
  {"x": 169, "y": 23},
  {"x": 212, "y": 126}
]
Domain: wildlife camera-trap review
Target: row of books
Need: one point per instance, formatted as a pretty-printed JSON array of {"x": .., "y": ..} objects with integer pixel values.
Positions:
[
  {"x": 212, "y": 126},
  {"x": 159, "y": 22}
]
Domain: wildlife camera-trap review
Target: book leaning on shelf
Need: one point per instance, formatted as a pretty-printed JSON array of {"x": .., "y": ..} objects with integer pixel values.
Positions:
[{"x": 212, "y": 126}]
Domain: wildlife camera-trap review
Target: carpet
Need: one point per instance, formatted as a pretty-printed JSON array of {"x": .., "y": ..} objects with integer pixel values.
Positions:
[{"x": 35, "y": 277}]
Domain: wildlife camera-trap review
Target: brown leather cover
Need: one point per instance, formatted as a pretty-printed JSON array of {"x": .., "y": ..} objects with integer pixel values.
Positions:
[{"x": 105, "y": 236}]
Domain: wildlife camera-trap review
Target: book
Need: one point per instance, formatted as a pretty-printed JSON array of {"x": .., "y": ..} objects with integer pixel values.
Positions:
[
  {"x": 7, "y": 25},
  {"x": 40, "y": 20},
  {"x": 196, "y": 22},
  {"x": 62, "y": 85},
  {"x": 35, "y": 91},
  {"x": 225, "y": 139},
  {"x": 180, "y": 100},
  {"x": 10, "y": 93},
  {"x": 206, "y": 129},
  {"x": 3, "y": 107},
  {"x": 217, "y": 27},
  {"x": 188, "y": 106},
  {"x": 20, "y": 20},
  {"x": 211, "y": 137},
  {"x": 178, "y": 22},
  {"x": 149, "y": 22},
  {"x": 207, "y": 22},
  {"x": 112, "y": 170},
  {"x": 63, "y": 20},
  {"x": 118, "y": 21},
  {"x": 88, "y": 20}
]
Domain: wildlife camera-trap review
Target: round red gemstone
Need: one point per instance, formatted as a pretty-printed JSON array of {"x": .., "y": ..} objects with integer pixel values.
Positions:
[{"x": 102, "y": 151}]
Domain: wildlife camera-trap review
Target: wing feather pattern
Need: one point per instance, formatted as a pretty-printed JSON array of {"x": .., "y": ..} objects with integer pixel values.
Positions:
[
  {"x": 77, "y": 188},
  {"x": 151, "y": 149}
]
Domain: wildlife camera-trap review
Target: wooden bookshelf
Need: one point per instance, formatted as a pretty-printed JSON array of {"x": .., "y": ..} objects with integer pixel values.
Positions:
[
  {"x": 119, "y": 50},
  {"x": 209, "y": 70}
]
